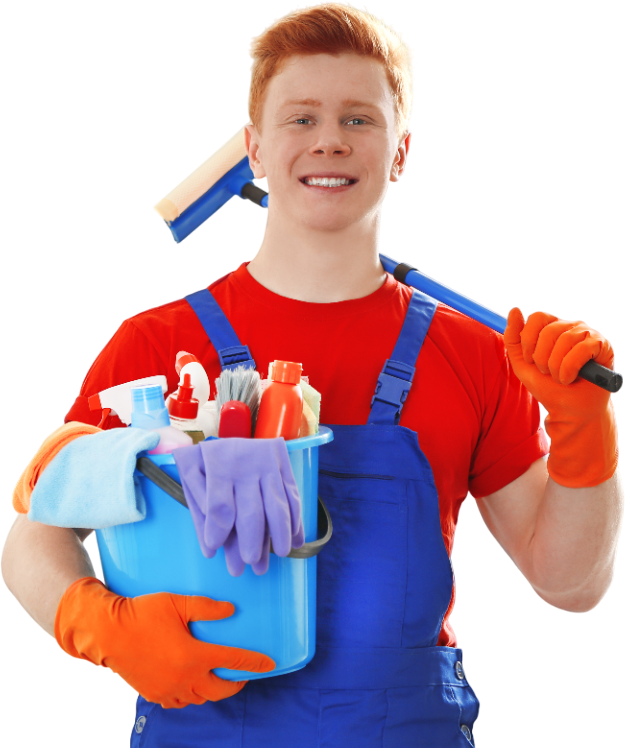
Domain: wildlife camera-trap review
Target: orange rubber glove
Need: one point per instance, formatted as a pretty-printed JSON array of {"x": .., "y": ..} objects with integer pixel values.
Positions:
[
  {"x": 546, "y": 354},
  {"x": 146, "y": 640}
]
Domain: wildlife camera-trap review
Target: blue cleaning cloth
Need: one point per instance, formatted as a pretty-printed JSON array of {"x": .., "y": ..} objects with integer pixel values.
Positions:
[{"x": 91, "y": 482}]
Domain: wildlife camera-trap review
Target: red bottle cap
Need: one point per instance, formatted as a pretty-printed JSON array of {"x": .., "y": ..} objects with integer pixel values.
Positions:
[
  {"x": 235, "y": 419},
  {"x": 287, "y": 372},
  {"x": 183, "y": 404}
]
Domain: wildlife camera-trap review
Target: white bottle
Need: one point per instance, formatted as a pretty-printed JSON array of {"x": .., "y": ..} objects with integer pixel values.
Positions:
[
  {"x": 207, "y": 418},
  {"x": 187, "y": 363},
  {"x": 183, "y": 410}
]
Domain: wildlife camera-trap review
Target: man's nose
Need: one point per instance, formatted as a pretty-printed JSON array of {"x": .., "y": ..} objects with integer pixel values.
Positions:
[{"x": 331, "y": 141}]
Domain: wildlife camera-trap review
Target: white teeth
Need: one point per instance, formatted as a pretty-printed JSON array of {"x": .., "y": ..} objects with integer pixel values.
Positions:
[{"x": 326, "y": 181}]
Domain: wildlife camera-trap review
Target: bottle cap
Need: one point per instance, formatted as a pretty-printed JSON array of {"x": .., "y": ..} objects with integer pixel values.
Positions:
[
  {"x": 183, "y": 404},
  {"x": 148, "y": 407},
  {"x": 182, "y": 359},
  {"x": 235, "y": 419},
  {"x": 286, "y": 371}
]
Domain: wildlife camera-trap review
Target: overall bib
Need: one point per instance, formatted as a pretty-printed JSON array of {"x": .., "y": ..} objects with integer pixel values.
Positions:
[{"x": 384, "y": 584}]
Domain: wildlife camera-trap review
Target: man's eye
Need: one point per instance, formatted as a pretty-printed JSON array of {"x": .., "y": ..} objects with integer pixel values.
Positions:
[
  {"x": 302, "y": 121},
  {"x": 305, "y": 119},
  {"x": 357, "y": 121}
]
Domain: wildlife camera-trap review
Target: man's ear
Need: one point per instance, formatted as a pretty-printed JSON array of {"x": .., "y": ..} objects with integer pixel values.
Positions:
[
  {"x": 253, "y": 151},
  {"x": 399, "y": 164}
]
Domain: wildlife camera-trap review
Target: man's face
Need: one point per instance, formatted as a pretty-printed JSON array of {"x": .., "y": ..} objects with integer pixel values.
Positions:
[{"x": 328, "y": 145}]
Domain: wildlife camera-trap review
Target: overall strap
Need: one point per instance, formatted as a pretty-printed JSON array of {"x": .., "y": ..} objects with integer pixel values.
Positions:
[
  {"x": 396, "y": 378},
  {"x": 219, "y": 330}
]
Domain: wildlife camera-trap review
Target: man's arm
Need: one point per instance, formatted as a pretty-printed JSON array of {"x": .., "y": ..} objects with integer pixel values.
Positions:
[
  {"x": 563, "y": 540},
  {"x": 40, "y": 562}
]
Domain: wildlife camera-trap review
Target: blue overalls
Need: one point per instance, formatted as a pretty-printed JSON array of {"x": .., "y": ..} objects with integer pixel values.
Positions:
[{"x": 384, "y": 584}]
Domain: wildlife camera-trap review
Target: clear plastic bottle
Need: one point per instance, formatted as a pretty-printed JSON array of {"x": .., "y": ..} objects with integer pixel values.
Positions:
[
  {"x": 149, "y": 412},
  {"x": 280, "y": 412},
  {"x": 183, "y": 411}
]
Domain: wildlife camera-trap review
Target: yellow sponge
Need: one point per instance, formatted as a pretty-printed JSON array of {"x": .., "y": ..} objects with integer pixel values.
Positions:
[
  {"x": 309, "y": 424},
  {"x": 313, "y": 399}
]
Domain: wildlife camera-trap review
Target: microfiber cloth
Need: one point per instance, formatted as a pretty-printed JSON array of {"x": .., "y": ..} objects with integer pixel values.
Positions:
[
  {"x": 91, "y": 482},
  {"x": 52, "y": 445}
]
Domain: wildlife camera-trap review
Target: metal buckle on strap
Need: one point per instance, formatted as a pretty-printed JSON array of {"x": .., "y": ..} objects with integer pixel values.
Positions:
[{"x": 394, "y": 384}]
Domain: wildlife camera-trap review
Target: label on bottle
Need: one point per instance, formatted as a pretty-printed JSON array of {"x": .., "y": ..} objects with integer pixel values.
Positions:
[{"x": 197, "y": 436}]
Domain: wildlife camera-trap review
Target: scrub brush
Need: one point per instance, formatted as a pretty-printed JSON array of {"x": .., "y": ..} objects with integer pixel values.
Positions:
[{"x": 242, "y": 384}]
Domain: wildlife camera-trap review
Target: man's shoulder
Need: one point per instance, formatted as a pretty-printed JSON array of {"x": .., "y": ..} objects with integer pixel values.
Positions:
[{"x": 455, "y": 326}]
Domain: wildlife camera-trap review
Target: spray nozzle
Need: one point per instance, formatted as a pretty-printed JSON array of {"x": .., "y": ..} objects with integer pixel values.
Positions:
[
  {"x": 183, "y": 404},
  {"x": 182, "y": 359}
]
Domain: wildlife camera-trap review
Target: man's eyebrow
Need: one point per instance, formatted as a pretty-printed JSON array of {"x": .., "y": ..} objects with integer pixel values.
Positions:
[{"x": 347, "y": 102}]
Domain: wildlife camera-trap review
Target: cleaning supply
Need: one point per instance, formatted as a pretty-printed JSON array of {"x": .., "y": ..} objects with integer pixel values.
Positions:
[
  {"x": 187, "y": 363},
  {"x": 91, "y": 482},
  {"x": 119, "y": 400},
  {"x": 149, "y": 412},
  {"x": 235, "y": 419},
  {"x": 312, "y": 399},
  {"x": 208, "y": 418},
  {"x": 280, "y": 412},
  {"x": 240, "y": 383},
  {"x": 52, "y": 445},
  {"x": 309, "y": 424},
  {"x": 146, "y": 641},
  {"x": 227, "y": 173},
  {"x": 183, "y": 411},
  {"x": 242, "y": 493},
  {"x": 276, "y": 612}
]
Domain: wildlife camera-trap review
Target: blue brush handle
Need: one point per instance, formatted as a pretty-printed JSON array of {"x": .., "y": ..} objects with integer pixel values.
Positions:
[{"x": 238, "y": 181}]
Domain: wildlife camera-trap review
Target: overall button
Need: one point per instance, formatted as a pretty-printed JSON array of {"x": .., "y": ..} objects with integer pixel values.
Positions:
[
  {"x": 466, "y": 731},
  {"x": 140, "y": 724},
  {"x": 459, "y": 671}
]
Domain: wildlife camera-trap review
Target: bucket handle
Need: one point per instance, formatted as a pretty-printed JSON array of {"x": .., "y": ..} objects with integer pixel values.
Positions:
[{"x": 166, "y": 483}]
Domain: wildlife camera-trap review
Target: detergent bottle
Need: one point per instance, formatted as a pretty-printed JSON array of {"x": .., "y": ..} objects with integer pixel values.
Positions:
[
  {"x": 183, "y": 410},
  {"x": 149, "y": 412},
  {"x": 207, "y": 417},
  {"x": 280, "y": 411},
  {"x": 187, "y": 363}
]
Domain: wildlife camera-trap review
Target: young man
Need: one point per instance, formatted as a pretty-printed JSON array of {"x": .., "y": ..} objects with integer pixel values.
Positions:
[
  {"x": 321, "y": 244},
  {"x": 329, "y": 103}
]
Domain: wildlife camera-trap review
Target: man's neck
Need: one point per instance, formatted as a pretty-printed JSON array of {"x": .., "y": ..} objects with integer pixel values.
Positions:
[{"x": 318, "y": 279}]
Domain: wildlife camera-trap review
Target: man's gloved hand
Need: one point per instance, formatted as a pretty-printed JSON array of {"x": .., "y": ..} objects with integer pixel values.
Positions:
[
  {"x": 546, "y": 354},
  {"x": 241, "y": 493}
]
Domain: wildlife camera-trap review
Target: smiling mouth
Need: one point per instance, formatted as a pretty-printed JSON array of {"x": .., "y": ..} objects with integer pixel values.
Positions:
[
  {"x": 328, "y": 181},
  {"x": 337, "y": 188}
]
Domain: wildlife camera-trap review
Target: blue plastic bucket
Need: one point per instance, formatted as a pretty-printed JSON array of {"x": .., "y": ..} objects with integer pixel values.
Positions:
[{"x": 275, "y": 613}]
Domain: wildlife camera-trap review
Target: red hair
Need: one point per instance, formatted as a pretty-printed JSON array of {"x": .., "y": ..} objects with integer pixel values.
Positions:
[{"x": 331, "y": 28}]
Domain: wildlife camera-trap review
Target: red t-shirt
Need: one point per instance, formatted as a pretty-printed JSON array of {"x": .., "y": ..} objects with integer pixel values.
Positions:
[{"x": 478, "y": 426}]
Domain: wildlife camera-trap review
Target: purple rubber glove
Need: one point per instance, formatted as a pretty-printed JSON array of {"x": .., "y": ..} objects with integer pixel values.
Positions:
[{"x": 241, "y": 493}]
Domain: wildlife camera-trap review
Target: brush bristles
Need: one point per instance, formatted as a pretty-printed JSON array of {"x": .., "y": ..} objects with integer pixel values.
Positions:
[{"x": 240, "y": 383}]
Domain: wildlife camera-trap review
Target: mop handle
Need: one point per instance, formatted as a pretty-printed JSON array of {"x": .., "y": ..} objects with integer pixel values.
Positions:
[
  {"x": 227, "y": 173},
  {"x": 591, "y": 371}
]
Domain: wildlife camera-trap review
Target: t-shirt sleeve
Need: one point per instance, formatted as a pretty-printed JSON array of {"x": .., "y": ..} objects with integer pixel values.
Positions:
[
  {"x": 511, "y": 438},
  {"x": 129, "y": 355}
]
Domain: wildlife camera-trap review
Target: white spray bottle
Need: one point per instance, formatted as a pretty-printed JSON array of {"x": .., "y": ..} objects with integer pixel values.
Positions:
[
  {"x": 117, "y": 401},
  {"x": 187, "y": 363}
]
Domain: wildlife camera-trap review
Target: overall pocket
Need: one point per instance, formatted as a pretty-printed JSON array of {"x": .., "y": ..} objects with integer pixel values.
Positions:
[{"x": 361, "y": 574}]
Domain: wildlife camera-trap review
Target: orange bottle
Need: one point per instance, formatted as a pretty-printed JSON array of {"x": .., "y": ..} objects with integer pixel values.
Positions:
[{"x": 280, "y": 411}]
